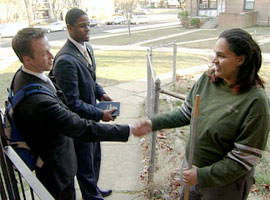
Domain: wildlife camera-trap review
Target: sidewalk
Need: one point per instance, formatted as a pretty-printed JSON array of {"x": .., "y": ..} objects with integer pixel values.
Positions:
[{"x": 121, "y": 162}]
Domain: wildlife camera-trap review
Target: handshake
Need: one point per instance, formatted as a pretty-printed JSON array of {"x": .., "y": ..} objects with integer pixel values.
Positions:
[{"x": 141, "y": 127}]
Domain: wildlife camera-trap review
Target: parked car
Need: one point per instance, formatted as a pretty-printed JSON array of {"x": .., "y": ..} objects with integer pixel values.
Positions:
[
  {"x": 116, "y": 20},
  {"x": 143, "y": 12},
  {"x": 139, "y": 19},
  {"x": 55, "y": 26},
  {"x": 94, "y": 22}
]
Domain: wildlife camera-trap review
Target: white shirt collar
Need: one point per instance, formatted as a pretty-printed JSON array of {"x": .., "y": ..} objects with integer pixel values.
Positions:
[
  {"x": 39, "y": 75},
  {"x": 81, "y": 47}
]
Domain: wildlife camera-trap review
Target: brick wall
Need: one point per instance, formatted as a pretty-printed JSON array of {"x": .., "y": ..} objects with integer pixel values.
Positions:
[
  {"x": 234, "y": 6},
  {"x": 191, "y": 7},
  {"x": 260, "y": 6},
  {"x": 237, "y": 20},
  {"x": 263, "y": 8}
]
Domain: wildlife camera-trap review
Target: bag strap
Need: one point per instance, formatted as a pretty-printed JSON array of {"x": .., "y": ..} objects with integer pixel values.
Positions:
[
  {"x": 32, "y": 88},
  {"x": 29, "y": 89}
]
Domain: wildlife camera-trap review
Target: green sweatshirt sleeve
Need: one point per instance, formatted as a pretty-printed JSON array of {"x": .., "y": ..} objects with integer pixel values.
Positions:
[
  {"x": 171, "y": 119},
  {"x": 178, "y": 117}
]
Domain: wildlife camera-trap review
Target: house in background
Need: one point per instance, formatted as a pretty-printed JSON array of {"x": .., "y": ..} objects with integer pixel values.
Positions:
[
  {"x": 158, "y": 3},
  {"x": 98, "y": 9},
  {"x": 43, "y": 9},
  {"x": 232, "y": 13},
  {"x": 173, "y": 4}
]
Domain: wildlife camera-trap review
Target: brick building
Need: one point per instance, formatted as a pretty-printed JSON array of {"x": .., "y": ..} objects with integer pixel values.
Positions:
[{"x": 232, "y": 13}]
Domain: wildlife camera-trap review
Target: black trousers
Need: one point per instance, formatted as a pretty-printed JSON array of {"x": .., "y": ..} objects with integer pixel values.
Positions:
[
  {"x": 50, "y": 183},
  {"x": 88, "y": 161}
]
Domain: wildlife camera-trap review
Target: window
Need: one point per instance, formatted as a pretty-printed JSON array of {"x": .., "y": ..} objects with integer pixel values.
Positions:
[
  {"x": 208, "y": 4},
  {"x": 249, "y": 4},
  {"x": 45, "y": 14}
]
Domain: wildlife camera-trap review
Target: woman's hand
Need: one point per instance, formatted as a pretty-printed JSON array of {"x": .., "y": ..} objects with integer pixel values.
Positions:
[{"x": 190, "y": 176}]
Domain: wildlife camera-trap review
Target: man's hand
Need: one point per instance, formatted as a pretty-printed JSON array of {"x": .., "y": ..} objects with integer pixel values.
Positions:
[
  {"x": 141, "y": 127},
  {"x": 107, "y": 116},
  {"x": 105, "y": 97},
  {"x": 190, "y": 176}
]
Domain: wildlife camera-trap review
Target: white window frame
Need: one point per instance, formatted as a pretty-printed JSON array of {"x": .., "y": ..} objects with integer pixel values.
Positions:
[{"x": 249, "y": 4}]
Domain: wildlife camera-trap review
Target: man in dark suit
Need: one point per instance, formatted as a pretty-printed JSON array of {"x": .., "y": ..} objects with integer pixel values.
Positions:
[
  {"x": 46, "y": 123},
  {"x": 75, "y": 72}
]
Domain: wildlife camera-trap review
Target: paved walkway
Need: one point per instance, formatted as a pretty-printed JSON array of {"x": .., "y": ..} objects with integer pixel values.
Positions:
[{"x": 122, "y": 162}]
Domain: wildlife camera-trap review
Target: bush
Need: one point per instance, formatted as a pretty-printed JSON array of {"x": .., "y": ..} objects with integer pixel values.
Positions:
[
  {"x": 195, "y": 22},
  {"x": 183, "y": 14}
]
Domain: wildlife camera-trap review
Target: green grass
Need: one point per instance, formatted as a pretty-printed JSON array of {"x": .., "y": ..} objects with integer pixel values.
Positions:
[
  {"x": 199, "y": 34},
  {"x": 137, "y": 36},
  {"x": 5, "y": 79},
  {"x": 257, "y": 33},
  {"x": 262, "y": 173}
]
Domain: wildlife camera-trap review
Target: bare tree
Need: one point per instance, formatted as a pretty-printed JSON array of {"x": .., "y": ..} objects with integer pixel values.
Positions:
[
  {"x": 182, "y": 4},
  {"x": 127, "y": 5},
  {"x": 29, "y": 11},
  {"x": 12, "y": 7},
  {"x": 56, "y": 7}
]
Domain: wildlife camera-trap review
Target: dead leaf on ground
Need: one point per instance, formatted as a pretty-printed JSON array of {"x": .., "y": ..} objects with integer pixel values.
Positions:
[{"x": 266, "y": 186}]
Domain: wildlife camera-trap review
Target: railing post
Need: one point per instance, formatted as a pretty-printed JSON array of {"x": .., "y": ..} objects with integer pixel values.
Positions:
[
  {"x": 174, "y": 61},
  {"x": 149, "y": 83},
  {"x": 153, "y": 135},
  {"x": 6, "y": 167}
]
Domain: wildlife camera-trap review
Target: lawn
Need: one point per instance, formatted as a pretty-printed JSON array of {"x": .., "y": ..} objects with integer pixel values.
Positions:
[{"x": 136, "y": 36}]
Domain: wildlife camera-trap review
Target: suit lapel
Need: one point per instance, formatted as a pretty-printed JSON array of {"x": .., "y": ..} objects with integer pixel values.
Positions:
[
  {"x": 76, "y": 52},
  {"x": 71, "y": 49}
]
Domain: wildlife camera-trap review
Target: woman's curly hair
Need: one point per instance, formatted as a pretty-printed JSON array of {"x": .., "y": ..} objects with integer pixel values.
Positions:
[{"x": 241, "y": 43}]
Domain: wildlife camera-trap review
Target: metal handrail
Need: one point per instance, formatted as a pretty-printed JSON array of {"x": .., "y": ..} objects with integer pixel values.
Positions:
[
  {"x": 151, "y": 67},
  {"x": 28, "y": 175},
  {"x": 10, "y": 163}
]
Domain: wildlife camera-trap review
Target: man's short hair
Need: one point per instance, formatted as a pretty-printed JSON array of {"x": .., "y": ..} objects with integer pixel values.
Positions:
[
  {"x": 72, "y": 15},
  {"x": 22, "y": 41}
]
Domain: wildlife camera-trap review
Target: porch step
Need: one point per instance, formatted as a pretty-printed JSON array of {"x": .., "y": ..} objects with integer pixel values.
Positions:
[{"x": 210, "y": 23}]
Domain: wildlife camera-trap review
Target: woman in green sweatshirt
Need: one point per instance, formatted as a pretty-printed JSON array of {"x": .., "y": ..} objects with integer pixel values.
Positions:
[{"x": 233, "y": 123}]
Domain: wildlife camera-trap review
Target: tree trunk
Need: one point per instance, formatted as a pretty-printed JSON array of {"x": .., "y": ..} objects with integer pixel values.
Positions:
[{"x": 29, "y": 12}]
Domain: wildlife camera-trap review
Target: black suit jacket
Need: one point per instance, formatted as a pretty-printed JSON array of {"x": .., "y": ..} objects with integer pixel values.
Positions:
[
  {"x": 77, "y": 78},
  {"x": 48, "y": 126}
]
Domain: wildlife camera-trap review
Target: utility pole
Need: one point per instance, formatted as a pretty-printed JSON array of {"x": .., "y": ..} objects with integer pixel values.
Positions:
[
  {"x": 190, "y": 12},
  {"x": 128, "y": 19}
]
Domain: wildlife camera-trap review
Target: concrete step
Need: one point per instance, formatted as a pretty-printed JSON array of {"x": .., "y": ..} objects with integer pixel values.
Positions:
[{"x": 211, "y": 23}]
